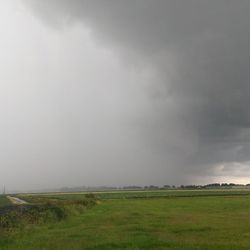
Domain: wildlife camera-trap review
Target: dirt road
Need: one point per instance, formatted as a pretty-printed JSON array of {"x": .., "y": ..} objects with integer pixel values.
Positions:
[{"x": 16, "y": 201}]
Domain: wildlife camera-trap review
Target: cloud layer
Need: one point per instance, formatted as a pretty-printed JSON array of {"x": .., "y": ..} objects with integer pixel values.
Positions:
[{"x": 188, "y": 104}]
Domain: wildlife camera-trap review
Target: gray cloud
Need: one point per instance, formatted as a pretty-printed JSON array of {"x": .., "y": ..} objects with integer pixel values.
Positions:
[{"x": 194, "y": 57}]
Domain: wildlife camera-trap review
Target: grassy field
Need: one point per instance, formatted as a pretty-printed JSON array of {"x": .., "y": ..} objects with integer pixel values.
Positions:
[
  {"x": 175, "y": 221},
  {"x": 3, "y": 200},
  {"x": 147, "y": 194}
]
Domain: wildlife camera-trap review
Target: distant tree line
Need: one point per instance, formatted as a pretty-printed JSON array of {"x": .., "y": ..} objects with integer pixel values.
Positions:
[
  {"x": 154, "y": 187},
  {"x": 215, "y": 185}
]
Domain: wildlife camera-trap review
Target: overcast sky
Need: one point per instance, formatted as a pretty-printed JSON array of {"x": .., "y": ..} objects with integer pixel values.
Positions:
[{"x": 113, "y": 92}]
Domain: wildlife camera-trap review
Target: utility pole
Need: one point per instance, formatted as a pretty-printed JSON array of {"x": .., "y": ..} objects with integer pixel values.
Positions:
[{"x": 3, "y": 189}]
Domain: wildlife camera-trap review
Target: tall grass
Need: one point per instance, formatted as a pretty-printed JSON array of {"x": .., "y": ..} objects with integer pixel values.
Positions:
[
  {"x": 3, "y": 200},
  {"x": 44, "y": 210}
]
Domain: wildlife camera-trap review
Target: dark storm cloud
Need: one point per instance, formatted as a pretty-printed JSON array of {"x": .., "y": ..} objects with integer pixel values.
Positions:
[{"x": 198, "y": 51}]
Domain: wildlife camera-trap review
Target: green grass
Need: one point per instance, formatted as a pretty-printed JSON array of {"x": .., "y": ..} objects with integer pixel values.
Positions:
[
  {"x": 3, "y": 200},
  {"x": 187, "y": 223}
]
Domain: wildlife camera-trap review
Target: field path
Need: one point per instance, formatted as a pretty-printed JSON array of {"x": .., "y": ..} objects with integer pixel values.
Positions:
[{"x": 16, "y": 200}]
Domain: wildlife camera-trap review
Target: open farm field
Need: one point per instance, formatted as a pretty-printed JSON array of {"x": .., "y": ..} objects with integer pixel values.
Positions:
[
  {"x": 172, "y": 222},
  {"x": 172, "y": 193}
]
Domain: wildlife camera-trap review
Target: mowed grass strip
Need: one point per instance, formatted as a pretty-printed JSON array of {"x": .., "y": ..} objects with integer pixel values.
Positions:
[{"x": 185, "y": 223}]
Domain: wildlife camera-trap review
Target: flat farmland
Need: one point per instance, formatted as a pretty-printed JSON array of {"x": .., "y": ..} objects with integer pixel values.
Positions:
[
  {"x": 183, "y": 220},
  {"x": 142, "y": 194}
]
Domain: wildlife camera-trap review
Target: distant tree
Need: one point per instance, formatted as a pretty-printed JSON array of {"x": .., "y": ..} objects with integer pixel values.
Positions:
[{"x": 213, "y": 185}]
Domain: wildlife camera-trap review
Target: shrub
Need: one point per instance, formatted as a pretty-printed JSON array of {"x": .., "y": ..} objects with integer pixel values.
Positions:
[{"x": 45, "y": 210}]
